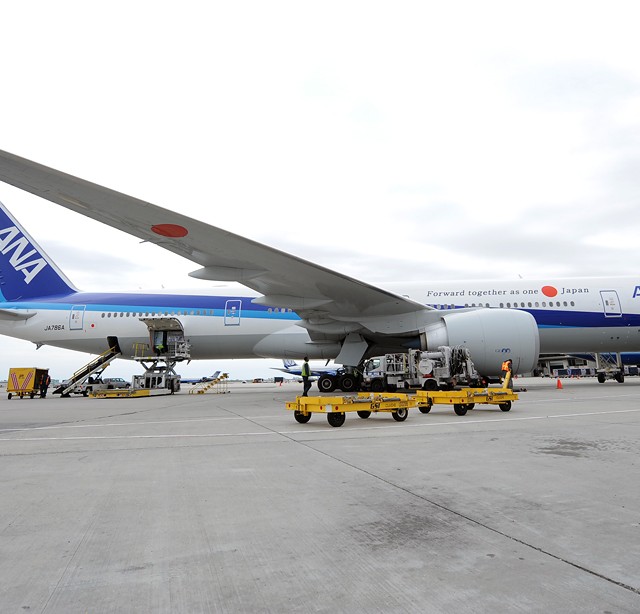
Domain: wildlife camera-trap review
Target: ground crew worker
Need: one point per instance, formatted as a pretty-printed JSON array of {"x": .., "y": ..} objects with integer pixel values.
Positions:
[
  {"x": 306, "y": 375},
  {"x": 45, "y": 380},
  {"x": 506, "y": 368}
]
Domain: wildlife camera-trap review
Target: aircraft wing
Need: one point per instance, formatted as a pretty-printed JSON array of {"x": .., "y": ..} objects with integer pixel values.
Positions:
[
  {"x": 12, "y": 315},
  {"x": 328, "y": 302}
]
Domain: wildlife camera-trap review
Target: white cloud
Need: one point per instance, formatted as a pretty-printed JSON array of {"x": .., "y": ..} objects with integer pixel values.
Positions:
[{"x": 419, "y": 140}]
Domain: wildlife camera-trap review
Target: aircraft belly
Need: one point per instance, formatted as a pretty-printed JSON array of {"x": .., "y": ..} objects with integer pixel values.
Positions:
[{"x": 571, "y": 340}]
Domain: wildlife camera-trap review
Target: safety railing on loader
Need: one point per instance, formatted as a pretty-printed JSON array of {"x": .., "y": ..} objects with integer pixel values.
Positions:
[{"x": 95, "y": 366}]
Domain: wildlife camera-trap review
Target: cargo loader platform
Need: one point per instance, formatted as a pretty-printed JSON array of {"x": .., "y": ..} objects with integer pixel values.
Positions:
[{"x": 364, "y": 404}]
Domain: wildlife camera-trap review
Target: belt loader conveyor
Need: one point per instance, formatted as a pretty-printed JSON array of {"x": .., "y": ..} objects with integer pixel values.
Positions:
[{"x": 365, "y": 404}]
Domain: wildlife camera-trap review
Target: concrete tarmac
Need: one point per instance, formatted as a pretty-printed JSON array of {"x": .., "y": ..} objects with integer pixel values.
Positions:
[{"x": 223, "y": 503}]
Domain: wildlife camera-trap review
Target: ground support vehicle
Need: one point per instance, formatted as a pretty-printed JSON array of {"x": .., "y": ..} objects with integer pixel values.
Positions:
[
  {"x": 25, "y": 381},
  {"x": 364, "y": 403},
  {"x": 609, "y": 366},
  {"x": 218, "y": 385},
  {"x": 441, "y": 369},
  {"x": 465, "y": 399}
]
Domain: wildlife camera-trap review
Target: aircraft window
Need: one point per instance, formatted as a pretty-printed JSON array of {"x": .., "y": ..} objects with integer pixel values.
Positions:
[
  {"x": 544, "y": 304},
  {"x": 537, "y": 304},
  {"x": 501, "y": 305},
  {"x": 565, "y": 303},
  {"x": 122, "y": 314},
  {"x": 529, "y": 304},
  {"x": 508, "y": 305},
  {"x": 192, "y": 312},
  {"x": 108, "y": 315},
  {"x": 558, "y": 304},
  {"x": 572, "y": 304},
  {"x": 103, "y": 315}
]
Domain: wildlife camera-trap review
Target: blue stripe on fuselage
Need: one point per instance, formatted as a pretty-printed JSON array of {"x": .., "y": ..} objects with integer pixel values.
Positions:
[{"x": 155, "y": 303}]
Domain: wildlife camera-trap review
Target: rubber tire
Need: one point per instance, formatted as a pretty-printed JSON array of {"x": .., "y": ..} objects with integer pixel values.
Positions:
[
  {"x": 460, "y": 409},
  {"x": 430, "y": 384},
  {"x": 9, "y": 396},
  {"x": 425, "y": 409},
  {"x": 601, "y": 378},
  {"x": 336, "y": 418},
  {"x": 348, "y": 383},
  {"x": 619, "y": 378},
  {"x": 470, "y": 405},
  {"x": 326, "y": 383},
  {"x": 364, "y": 414},
  {"x": 377, "y": 385},
  {"x": 401, "y": 414},
  {"x": 300, "y": 417},
  {"x": 506, "y": 406}
]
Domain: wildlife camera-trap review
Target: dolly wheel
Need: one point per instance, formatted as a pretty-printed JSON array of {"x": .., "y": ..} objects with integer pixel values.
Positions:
[
  {"x": 301, "y": 417},
  {"x": 425, "y": 409},
  {"x": 336, "y": 418},
  {"x": 460, "y": 409},
  {"x": 400, "y": 415},
  {"x": 364, "y": 414},
  {"x": 506, "y": 406}
]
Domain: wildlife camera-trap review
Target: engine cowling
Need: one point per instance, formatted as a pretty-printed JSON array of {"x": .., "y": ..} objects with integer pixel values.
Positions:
[{"x": 492, "y": 336}]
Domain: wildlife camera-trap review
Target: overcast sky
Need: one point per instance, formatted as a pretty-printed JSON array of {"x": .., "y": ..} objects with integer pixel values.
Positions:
[{"x": 387, "y": 140}]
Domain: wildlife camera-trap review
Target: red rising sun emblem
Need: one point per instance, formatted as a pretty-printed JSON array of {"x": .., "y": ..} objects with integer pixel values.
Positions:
[
  {"x": 549, "y": 291},
  {"x": 170, "y": 230}
]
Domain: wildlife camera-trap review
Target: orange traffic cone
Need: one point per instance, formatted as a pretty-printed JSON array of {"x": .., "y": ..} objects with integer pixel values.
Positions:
[{"x": 559, "y": 384}]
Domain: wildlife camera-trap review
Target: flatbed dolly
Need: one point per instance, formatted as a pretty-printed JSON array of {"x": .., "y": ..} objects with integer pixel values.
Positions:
[
  {"x": 465, "y": 398},
  {"x": 364, "y": 403}
]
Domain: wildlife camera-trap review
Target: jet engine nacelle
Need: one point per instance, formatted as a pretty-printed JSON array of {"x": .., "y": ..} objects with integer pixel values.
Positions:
[{"x": 491, "y": 336}]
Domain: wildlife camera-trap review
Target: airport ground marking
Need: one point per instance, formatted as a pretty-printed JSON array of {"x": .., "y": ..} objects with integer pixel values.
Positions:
[
  {"x": 95, "y": 425},
  {"x": 298, "y": 431}
]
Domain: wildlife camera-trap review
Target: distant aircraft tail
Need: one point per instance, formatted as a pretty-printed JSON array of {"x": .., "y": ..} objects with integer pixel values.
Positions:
[
  {"x": 288, "y": 363},
  {"x": 26, "y": 272}
]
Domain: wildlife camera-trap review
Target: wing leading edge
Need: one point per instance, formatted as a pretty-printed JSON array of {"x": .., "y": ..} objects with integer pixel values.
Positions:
[{"x": 330, "y": 304}]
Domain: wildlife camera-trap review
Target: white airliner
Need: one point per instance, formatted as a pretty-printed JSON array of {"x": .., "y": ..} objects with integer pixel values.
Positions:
[{"x": 292, "y": 308}]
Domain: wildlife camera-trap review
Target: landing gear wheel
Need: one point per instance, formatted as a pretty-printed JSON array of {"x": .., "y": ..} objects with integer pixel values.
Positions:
[
  {"x": 425, "y": 409},
  {"x": 430, "y": 384},
  {"x": 326, "y": 383},
  {"x": 300, "y": 417},
  {"x": 400, "y": 415},
  {"x": 460, "y": 409},
  {"x": 336, "y": 418},
  {"x": 364, "y": 414},
  {"x": 506, "y": 406}
]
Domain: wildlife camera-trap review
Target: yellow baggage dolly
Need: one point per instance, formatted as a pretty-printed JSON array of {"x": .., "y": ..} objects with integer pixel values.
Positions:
[
  {"x": 466, "y": 398},
  {"x": 25, "y": 381},
  {"x": 364, "y": 403}
]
